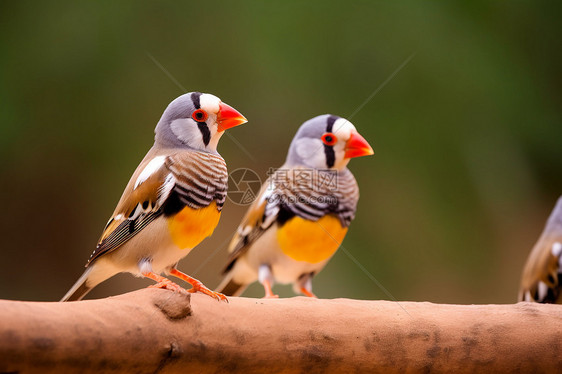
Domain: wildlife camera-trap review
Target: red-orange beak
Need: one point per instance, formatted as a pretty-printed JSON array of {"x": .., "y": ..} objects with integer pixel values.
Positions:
[
  {"x": 357, "y": 146},
  {"x": 229, "y": 117}
]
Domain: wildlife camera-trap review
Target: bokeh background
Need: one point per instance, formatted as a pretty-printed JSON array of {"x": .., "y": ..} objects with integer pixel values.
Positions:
[{"x": 467, "y": 135}]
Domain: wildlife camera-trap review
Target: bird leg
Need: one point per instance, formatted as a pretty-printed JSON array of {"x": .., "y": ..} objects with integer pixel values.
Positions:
[
  {"x": 162, "y": 282},
  {"x": 304, "y": 285},
  {"x": 266, "y": 279},
  {"x": 308, "y": 293},
  {"x": 268, "y": 291},
  {"x": 197, "y": 285}
]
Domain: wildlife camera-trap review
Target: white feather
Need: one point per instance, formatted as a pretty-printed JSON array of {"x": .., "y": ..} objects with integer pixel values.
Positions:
[
  {"x": 543, "y": 289},
  {"x": 145, "y": 266},
  {"x": 154, "y": 164},
  {"x": 264, "y": 274},
  {"x": 210, "y": 103},
  {"x": 557, "y": 249},
  {"x": 166, "y": 188}
]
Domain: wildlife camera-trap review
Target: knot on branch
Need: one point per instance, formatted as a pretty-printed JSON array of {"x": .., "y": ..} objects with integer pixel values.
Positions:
[{"x": 174, "y": 305}]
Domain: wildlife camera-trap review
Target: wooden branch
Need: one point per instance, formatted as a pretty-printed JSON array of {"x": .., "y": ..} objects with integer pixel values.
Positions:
[{"x": 158, "y": 331}]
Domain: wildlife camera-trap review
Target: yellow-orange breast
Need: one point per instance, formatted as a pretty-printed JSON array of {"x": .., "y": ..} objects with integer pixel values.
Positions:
[
  {"x": 310, "y": 241},
  {"x": 190, "y": 226}
]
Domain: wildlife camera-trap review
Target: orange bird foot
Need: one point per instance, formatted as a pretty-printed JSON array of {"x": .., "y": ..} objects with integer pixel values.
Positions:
[
  {"x": 197, "y": 286},
  {"x": 164, "y": 283},
  {"x": 272, "y": 296},
  {"x": 268, "y": 291},
  {"x": 169, "y": 285},
  {"x": 201, "y": 288},
  {"x": 308, "y": 293}
]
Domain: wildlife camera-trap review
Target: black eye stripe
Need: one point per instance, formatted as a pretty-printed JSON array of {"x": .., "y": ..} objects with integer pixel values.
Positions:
[{"x": 330, "y": 155}]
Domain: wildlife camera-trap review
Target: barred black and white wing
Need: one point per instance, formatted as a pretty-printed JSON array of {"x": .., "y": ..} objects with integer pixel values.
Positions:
[
  {"x": 163, "y": 185},
  {"x": 289, "y": 192}
]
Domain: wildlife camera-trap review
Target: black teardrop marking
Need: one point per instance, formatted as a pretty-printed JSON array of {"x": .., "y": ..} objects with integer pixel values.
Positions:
[
  {"x": 330, "y": 155},
  {"x": 196, "y": 98},
  {"x": 205, "y": 132}
]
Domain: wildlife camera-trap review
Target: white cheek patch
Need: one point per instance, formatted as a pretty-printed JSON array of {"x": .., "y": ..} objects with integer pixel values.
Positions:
[
  {"x": 215, "y": 136},
  {"x": 154, "y": 164},
  {"x": 187, "y": 131},
  {"x": 311, "y": 151},
  {"x": 342, "y": 129},
  {"x": 210, "y": 104}
]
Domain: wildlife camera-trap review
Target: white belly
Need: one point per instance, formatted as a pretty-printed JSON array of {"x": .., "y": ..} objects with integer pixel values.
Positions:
[{"x": 154, "y": 244}]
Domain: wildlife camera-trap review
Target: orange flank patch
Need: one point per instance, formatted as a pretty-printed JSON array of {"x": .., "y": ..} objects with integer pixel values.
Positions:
[
  {"x": 310, "y": 241},
  {"x": 190, "y": 226}
]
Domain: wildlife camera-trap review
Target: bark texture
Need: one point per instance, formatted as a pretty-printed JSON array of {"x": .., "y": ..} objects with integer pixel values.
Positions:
[{"x": 158, "y": 331}]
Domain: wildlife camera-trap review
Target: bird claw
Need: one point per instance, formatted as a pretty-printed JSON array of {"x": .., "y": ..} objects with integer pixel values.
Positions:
[
  {"x": 308, "y": 293},
  {"x": 199, "y": 287},
  {"x": 271, "y": 296},
  {"x": 168, "y": 285}
]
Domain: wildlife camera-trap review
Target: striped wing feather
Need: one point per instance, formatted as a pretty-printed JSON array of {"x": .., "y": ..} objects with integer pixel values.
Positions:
[
  {"x": 186, "y": 178},
  {"x": 289, "y": 192}
]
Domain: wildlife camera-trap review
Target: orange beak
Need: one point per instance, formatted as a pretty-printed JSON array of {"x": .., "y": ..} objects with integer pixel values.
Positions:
[
  {"x": 357, "y": 146},
  {"x": 229, "y": 117}
]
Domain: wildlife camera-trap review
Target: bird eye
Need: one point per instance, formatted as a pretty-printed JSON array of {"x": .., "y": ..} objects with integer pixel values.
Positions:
[
  {"x": 329, "y": 138},
  {"x": 200, "y": 115}
]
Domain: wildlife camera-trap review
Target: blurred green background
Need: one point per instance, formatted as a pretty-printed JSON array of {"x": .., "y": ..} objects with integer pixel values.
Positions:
[{"x": 467, "y": 136}]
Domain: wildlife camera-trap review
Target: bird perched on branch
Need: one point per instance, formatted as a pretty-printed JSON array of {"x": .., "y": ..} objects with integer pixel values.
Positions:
[
  {"x": 172, "y": 202},
  {"x": 542, "y": 275},
  {"x": 302, "y": 213}
]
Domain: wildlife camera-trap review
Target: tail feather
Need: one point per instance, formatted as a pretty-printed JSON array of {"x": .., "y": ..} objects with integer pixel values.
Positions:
[
  {"x": 80, "y": 288},
  {"x": 228, "y": 287}
]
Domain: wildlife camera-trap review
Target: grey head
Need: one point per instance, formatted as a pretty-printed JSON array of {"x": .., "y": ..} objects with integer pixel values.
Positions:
[
  {"x": 326, "y": 142},
  {"x": 195, "y": 120}
]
